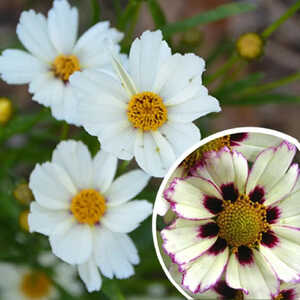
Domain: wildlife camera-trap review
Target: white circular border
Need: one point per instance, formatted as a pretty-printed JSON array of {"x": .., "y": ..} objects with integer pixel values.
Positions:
[{"x": 180, "y": 159}]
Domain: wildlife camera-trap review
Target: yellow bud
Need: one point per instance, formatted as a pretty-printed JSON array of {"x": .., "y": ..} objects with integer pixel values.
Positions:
[
  {"x": 6, "y": 110},
  {"x": 23, "y": 220},
  {"x": 23, "y": 193},
  {"x": 250, "y": 46}
]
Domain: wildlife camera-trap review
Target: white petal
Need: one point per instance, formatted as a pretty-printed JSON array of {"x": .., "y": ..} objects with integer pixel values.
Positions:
[
  {"x": 97, "y": 55},
  {"x": 153, "y": 153},
  {"x": 187, "y": 197},
  {"x": 127, "y": 217},
  {"x": 12, "y": 276},
  {"x": 33, "y": 33},
  {"x": 176, "y": 73},
  {"x": 63, "y": 26},
  {"x": 72, "y": 242},
  {"x": 270, "y": 166},
  {"x": 162, "y": 206},
  {"x": 205, "y": 272},
  {"x": 19, "y": 67},
  {"x": 194, "y": 108},
  {"x": 146, "y": 56},
  {"x": 76, "y": 159},
  {"x": 126, "y": 187},
  {"x": 114, "y": 253},
  {"x": 188, "y": 134},
  {"x": 105, "y": 167},
  {"x": 284, "y": 186},
  {"x": 51, "y": 186},
  {"x": 182, "y": 240},
  {"x": 240, "y": 166},
  {"x": 89, "y": 274},
  {"x": 44, "y": 220}
]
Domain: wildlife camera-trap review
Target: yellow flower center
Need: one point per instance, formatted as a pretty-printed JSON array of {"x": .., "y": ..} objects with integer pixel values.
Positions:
[
  {"x": 242, "y": 223},
  {"x": 65, "y": 65},
  {"x": 88, "y": 206},
  {"x": 279, "y": 297},
  {"x": 147, "y": 111},
  {"x": 35, "y": 285},
  {"x": 6, "y": 110},
  {"x": 197, "y": 155},
  {"x": 250, "y": 45}
]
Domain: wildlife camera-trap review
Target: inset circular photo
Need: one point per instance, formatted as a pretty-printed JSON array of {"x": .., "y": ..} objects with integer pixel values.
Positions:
[{"x": 226, "y": 222}]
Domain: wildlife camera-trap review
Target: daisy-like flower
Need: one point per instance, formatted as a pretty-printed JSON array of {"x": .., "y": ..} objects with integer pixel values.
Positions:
[
  {"x": 25, "y": 283},
  {"x": 147, "y": 112},
  {"x": 54, "y": 55},
  {"x": 240, "y": 223},
  {"x": 249, "y": 144},
  {"x": 86, "y": 213}
]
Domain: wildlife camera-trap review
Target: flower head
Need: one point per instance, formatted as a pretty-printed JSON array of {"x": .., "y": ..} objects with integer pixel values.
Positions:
[
  {"x": 55, "y": 55},
  {"x": 250, "y": 46},
  {"x": 147, "y": 111},
  {"x": 6, "y": 110},
  {"x": 86, "y": 213},
  {"x": 236, "y": 222}
]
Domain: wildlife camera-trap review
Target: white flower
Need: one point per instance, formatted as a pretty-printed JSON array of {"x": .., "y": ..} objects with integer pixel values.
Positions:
[
  {"x": 147, "y": 112},
  {"x": 86, "y": 214},
  {"x": 240, "y": 223},
  {"x": 54, "y": 55},
  {"x": 25, "y": 283}
]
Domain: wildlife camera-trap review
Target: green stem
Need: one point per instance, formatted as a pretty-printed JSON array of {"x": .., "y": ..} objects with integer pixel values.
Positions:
[
  {"x": 291, "y": 11},
  {"x": 223, "y": 69},
  {"x": 64, "y": 131},
  {"x": 96, "y": 11},
  {"x": 272, "y": 85}
]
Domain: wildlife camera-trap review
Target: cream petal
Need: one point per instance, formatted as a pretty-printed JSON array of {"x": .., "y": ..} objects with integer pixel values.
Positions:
[
  {"x": 89, "y": 274},
  {"x": 126, "y": 187},
  {"x": 33, "y": 33},
  {"x": 126, "y": 217},
  {"x": 19, "y": 67},
  {"x": 76, "y": 159},
  {"x": 63, "y": 26},
  {"x": 72, "y": 242}
]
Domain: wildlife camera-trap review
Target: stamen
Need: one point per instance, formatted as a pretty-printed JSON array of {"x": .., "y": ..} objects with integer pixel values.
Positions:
[
  {"x": 65, "y": 65},
  {"x": 88, "y": 206},
  {"x": 147, "y": 111}
]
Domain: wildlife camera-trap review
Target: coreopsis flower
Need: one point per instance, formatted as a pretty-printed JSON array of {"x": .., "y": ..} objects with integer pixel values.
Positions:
[
  {"x": 239, "y": 223},
  {"x": 249, "y": 144},
  {"x": 147, "y": 112},
  {"x": 54, "y": 54},
  {"x": 86, "y": 213},
  {"x": 288, "y": 291},
  {"x": 250, "y": 46},
  {"x": 27, "y": 283}
]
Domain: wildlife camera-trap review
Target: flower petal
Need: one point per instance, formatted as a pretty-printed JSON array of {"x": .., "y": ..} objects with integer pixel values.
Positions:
[
  {"x": 19, "y": 67},
  {"x": 76, "y": 159},
  {"x": 114, "y": 253},
  {"x": 185, "y": 240},
  {"x": 72, "y": 242},
  {"x": 33, "y": 33},
  {"x": 126, "y": 187},
  {"x": 105, "y": 167},
  {"x": 189, "y": 197},
  {"x": 270, "y": 166},
  {"x": 89, "y": 274},
  {"x": 187, "y": 133},
  {"x": 63, "y": 26},
  {"x": 147, "y": 53},
  {"x": 51, "y": 186},
  {"x": 204, "y": 272},
  {"x": 241, "y": 171},
  {"x": 44, "y": 220},
  {"x": 126, "y": 217}
]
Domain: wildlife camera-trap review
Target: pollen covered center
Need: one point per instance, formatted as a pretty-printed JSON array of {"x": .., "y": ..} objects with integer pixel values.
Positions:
[
  {"x": 65, "y": 65},
  {"x": 35, "y": 285},
  {"x": 242, "y": 223},
  {"x": 147, "y": 111},
  {"x": 88, "y": 206}
]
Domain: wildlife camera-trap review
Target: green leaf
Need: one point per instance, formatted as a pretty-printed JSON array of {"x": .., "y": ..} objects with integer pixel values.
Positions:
[
  {"x": 157, "y": 13},
  {"x": 111, "y": 289},
  {"x": 21, "y": 124},
  {"x": 96, "y": 11},
  {"x": 221, "y": 12},
  {"x": 128, "y": 14}
]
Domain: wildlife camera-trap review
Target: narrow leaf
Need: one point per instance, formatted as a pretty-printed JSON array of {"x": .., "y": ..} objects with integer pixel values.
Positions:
[{"x": 157, "y": 13}]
